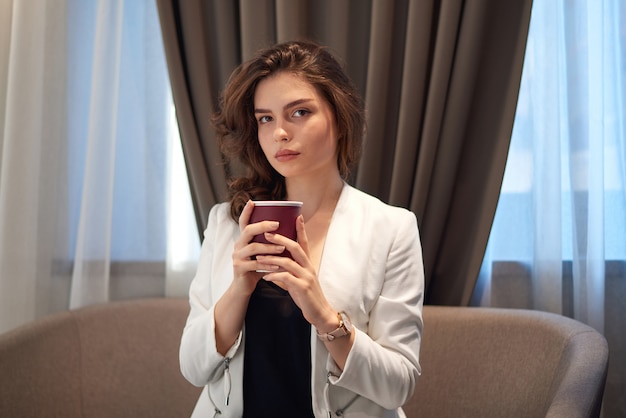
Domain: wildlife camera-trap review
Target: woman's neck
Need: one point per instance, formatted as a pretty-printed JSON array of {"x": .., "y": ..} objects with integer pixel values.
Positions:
[{"x": 317, "y": 196}]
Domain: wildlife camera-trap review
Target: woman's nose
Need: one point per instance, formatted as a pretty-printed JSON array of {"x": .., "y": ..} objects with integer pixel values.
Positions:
[{"x": 280, "y": 134}]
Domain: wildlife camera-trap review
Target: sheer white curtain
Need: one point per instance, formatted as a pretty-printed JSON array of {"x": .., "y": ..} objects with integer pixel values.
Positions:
[
  {"x": 88, "y": 148},
  {"x": 558, "y": 241}
]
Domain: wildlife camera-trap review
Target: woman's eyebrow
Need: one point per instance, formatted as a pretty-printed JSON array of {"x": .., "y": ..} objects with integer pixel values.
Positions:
[{"x": 287, "y": 106}]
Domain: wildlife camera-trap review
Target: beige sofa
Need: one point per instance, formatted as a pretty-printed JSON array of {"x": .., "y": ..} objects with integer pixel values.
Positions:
[{"x": 121, "y": 360}]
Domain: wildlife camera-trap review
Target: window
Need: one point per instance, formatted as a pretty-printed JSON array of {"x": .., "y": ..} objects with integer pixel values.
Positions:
[
  {"x": 566, "y": 170},
  {"x": 128, "y": 197},
  {"x": 558, "y": 241}
]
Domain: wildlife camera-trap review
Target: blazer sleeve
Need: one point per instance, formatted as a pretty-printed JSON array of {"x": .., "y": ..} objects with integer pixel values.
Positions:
[
  {"x": 200, "y": 362},
  {"x": 383, "y": 364}
]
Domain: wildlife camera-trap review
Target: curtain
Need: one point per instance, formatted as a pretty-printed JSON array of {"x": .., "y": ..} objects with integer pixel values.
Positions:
[
  {"x": 440, "y": 79},
  {"x": 559, "y": 236},
  {"x": 85, "y": 128},
  {"x": 29, "y": 85}
]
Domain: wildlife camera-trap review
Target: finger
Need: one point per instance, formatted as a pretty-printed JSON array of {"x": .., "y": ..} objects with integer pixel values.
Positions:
[
  {"x": 278, "y": 282},
  {"x": 250, "y": 265},
  {"x": 303, "y": 240},
  {"x": 265, "y": 268},
  {"x": 291, "y": 245},
  {"x": 299, "y": 256},
  {"x": 256, "y": 248},
  {"x": 282, "y": 263},
  {"x": 299, "y": 250},
  {"x": 244, "y": 221},
  {"x": 244, "y": 218},
  {"x": 281, "y": 279},
  {"x": 258, "y": 228}
]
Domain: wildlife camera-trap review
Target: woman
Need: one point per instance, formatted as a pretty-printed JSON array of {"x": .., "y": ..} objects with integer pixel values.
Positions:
[{"x": 336, "y": 330}]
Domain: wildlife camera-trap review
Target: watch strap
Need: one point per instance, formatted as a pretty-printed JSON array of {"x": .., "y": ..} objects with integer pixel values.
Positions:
[{"x": 343, "y": 329}]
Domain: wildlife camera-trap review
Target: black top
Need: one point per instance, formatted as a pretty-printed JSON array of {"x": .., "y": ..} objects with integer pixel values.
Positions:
[{"x": 277, "y": 361}]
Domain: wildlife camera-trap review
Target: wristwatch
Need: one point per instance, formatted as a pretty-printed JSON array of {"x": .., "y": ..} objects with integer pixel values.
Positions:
[{"x": 344, "y": 328}]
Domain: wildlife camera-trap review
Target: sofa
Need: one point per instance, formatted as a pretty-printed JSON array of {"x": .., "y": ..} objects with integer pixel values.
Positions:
[
  {"x": 488, "y": 362},
  {"x": 120, "y": 359}
]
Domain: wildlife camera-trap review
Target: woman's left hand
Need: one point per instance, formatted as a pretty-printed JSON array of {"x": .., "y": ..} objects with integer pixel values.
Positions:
[{"x": 299, "y": 278}]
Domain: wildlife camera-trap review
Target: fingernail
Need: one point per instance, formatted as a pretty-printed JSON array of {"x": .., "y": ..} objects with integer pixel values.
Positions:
[{"x": 269, "y": 235}]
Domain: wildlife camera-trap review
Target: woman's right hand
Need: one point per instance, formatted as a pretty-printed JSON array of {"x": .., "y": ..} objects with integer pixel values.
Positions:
[
  {"x": 230, "y": 309},
  {"x": 245, "y": 265}
]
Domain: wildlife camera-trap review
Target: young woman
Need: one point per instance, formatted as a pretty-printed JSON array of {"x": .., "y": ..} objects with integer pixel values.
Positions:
[{"x": 336, "y": 330}]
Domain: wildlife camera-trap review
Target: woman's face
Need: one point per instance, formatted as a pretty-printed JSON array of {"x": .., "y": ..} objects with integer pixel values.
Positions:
[{"x": 296, "y": 127}]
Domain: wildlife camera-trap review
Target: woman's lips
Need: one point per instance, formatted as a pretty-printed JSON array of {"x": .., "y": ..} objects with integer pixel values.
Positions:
[{"x": 286, "y": 155}]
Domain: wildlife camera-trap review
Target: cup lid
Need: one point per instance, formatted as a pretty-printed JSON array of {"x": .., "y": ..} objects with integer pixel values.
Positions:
[{"x": 277, "y": 203}]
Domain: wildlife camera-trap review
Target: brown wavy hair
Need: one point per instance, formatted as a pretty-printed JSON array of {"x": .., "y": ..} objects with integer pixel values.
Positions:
[{"x": 236, "y": 125}]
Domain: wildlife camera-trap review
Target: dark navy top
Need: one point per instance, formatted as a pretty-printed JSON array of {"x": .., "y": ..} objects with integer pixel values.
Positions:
[{"x": 277, "y": 361}]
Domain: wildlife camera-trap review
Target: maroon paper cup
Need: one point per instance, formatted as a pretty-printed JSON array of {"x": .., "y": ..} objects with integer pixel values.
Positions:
[{"x": 284, "y": 212}]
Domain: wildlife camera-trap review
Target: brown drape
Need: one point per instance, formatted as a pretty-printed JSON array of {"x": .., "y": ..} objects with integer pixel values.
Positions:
[{"x": 440, "y": 80}]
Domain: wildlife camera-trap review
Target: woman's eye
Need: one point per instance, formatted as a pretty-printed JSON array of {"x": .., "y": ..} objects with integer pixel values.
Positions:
[
  {"x": 265, "y": 119},
  {"x": 301, "y": 112}
]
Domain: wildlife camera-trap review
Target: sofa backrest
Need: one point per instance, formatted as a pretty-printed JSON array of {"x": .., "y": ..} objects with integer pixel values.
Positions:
[
  {"x": 114, "y": 360},
  {"x": 487, "y": 362}
]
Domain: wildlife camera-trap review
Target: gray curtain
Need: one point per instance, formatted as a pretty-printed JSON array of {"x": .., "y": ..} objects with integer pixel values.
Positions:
[{"x": 440, "y": 80}]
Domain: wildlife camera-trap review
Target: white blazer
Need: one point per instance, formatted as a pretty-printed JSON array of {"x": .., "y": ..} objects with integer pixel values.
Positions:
[{"x": 371, "y": 268}]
